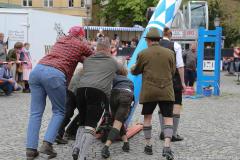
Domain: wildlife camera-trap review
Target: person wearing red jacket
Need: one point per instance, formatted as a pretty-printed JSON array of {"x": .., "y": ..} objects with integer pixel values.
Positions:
[{"x": 50, "y": 78}]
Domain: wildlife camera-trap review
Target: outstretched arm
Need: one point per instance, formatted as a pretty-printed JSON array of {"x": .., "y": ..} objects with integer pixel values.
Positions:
[{"x": 139, "y": 66}]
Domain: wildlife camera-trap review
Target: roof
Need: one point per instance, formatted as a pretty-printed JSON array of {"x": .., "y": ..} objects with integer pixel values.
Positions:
[{"x": 106, "y": 28}]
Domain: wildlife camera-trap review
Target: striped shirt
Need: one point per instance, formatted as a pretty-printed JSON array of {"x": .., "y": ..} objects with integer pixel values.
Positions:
[{"x": 65, "y": 55}]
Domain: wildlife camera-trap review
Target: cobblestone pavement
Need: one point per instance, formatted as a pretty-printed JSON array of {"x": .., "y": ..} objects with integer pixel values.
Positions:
[{"x": 210, "y": 127}]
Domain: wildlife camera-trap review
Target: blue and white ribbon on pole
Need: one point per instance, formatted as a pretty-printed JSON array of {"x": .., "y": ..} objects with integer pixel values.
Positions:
[{"x": 162, "y": 17}]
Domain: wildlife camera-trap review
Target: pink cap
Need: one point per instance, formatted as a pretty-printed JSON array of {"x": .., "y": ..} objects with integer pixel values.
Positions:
[{"x": 77, "y": 31}]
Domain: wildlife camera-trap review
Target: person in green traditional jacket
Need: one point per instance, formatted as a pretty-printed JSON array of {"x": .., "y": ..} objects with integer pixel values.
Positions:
[{"x": 157, "y": 66}]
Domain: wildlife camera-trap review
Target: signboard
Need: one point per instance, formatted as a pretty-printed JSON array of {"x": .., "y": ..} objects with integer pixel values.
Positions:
[
  {"x": 209, "y": 65},
  {"x": 11, "y": 26},
  {"x": 22, "y": 25},
  {"x": 17, "y": 36},
  {"x": 185, "y": 34}
]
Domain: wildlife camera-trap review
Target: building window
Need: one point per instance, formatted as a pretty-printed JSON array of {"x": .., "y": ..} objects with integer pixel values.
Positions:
[
  {"x": 27, "y": 3},
  {"x": 83, "y": 3},
  {"x": 48, "y": 3},
  {"x": 71, "y": 3}
]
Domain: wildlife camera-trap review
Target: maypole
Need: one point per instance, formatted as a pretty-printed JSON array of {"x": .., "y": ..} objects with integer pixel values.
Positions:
[{"x": 162, "y": 17}]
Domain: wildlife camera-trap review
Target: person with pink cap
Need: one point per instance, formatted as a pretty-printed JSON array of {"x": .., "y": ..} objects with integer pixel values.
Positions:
[{"x": 51, "y": 77}]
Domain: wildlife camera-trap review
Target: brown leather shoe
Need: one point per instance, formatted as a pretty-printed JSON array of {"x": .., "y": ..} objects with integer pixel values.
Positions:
[
  {"x": 60, "y": 140},
  {"x": 47, "y": 149},
  {"x": 31, "y": 154}
]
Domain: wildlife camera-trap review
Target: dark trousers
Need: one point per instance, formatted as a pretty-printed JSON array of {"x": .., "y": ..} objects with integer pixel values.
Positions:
[
  {"x": 231, "y": 67},
  {"x": 190, "y": 77},
  {"x": 91, "y": 103},
  {"x": 70, "y": 107},
  {"x": 237, "y": 65},
  {"x": 120, "y": 103},
  {"x": 26, "y": 85},
  {"x": 6, "y": 87}
]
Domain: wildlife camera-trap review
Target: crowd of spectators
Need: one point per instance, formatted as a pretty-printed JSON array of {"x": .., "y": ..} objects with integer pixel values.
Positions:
[
  {"x": 15, "y": 63},
  {"x": 232, "y": 64},
  {"x": 17, "y": 60},
  {"x": 116, "y": 43},
  {"x": 15, "y": 67}
]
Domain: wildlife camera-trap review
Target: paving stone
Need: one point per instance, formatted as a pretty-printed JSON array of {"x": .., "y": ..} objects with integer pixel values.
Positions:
[{"x": 210, "y": 127}]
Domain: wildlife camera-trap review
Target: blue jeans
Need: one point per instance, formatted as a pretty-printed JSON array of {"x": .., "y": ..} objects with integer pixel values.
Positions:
[
  {"x": 45, "y": 81},
  {"x": 237, "y": 66},
  {"x": 6, "y": 87}
]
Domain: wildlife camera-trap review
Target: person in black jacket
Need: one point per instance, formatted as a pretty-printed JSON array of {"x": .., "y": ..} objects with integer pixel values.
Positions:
[
  {"x": 120, "y": 102},
  {"x": 178, "y": 84}
]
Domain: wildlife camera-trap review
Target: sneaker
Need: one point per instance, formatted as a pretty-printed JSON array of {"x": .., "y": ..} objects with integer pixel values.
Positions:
[
  {"x": 161, "y": 136},
  {"x": 31, "y": 154},
  {"x": 148, "y": 150},
  {"x": 168, "y": 153},
  {"x": 47, "y": 149},
  {"x": 75, "y": 153},
  {"x": 177, "y": 138},
  {"x": 60, "y": 140},
  {"x": 105, "y": 152},
  {"x": 126, "y": 147}
]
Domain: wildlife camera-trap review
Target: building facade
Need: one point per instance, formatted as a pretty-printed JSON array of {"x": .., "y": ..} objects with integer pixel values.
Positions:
[{"x": 80, "y": 8}]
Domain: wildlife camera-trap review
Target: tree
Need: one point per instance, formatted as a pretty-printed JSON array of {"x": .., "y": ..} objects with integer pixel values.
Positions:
[
  {"x": 127, "y": 12},
  {"x": 214, "y": 11},
  {"x": 228, "y": 11},
  {"x": 130, "y": 12},
  {"x": 231, "y": 21}
]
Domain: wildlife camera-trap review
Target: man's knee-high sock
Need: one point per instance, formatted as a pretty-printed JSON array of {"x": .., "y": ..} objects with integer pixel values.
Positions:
[
  {"x": 161, "y": 121},
  {"x": 79, "y": 136},
  {"x": 86, "y": 142},
  {"x": 176, "y": 118},
  {"x": 168, "y": 131},
  {"x": 147, "y": 130},
  {"x": 113, "y": 134}
]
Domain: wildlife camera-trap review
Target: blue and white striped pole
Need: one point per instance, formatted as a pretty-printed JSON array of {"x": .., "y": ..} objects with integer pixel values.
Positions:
[{"x": 162, "y": 17}]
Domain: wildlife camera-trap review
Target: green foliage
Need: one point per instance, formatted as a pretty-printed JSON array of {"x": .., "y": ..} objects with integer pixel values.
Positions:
[
  {"x": 130, "y": 12},
  {"x": 127, "y": 12},
  {"x": 228, "y": 11},
  {"x": 214, "y": 11}
]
